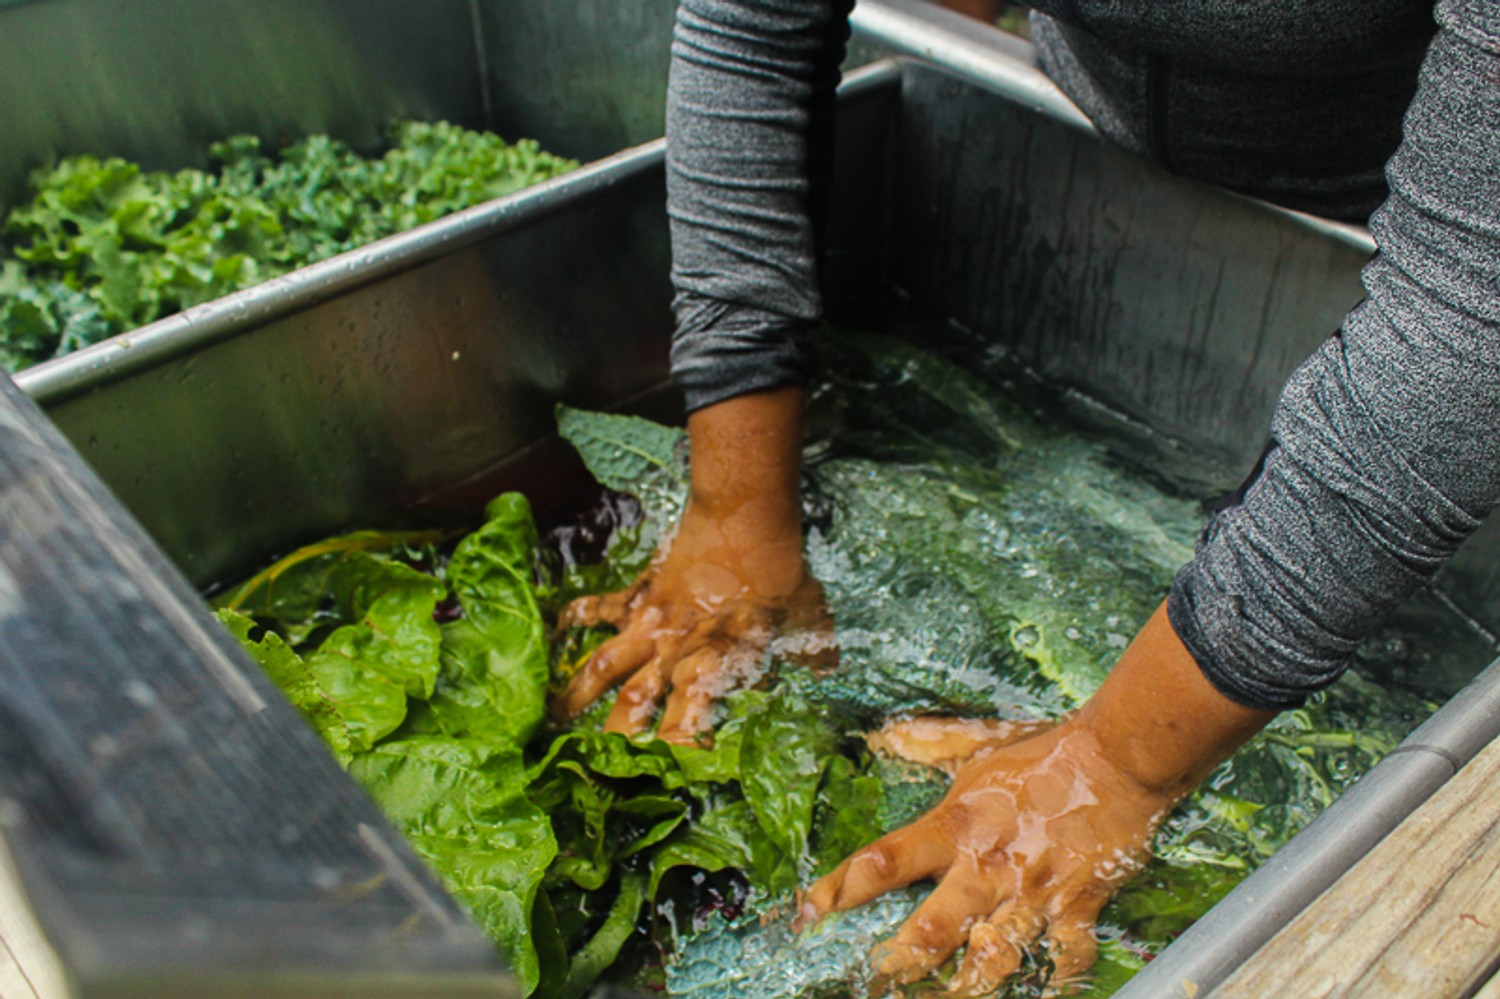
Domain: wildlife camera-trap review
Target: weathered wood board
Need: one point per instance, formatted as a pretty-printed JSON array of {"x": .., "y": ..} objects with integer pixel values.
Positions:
[
  {"x": 29, "y": 968},
  {"x": 1419, "y": 916}
]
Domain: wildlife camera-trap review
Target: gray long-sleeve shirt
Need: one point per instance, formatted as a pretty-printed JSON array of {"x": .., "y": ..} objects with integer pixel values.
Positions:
[{"x": 1387, "y": 441}]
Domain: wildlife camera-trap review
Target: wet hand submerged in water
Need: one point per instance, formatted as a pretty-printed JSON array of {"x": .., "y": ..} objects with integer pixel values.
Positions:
[
  {"x": 697, "y": 624},
  {"x": 1037, "y": 831},
  {"x": 730, "y": 583}
]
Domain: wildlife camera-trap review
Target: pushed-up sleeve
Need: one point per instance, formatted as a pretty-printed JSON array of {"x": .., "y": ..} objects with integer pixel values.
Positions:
[
  {"x": 749, "y": 111},
  {"x": 1387, "y": 440}
]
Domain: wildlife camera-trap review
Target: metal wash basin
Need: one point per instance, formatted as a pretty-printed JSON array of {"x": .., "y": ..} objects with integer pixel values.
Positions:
[{"x": 416, "y": 377}]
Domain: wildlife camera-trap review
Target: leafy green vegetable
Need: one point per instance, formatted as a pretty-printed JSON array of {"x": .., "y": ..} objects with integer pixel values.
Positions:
[
  {"x": 494, "y": 660},
  {"x": 785, "y": 753},
  {"x": 288, "y": 671},
  {"x": 355, "y": 684},
  {"x": 462, "y": 805},
  {"x": 630, "y": 454},
  {"x": 320, "y": 585},
  {"x": 554, "y": 841},
  {"x": 431, "y": 718},
  {"x": 103, "y": 246},
  {"x": 976, "y": 560},
  {"x": 595, "y": 957},
  {"x": 622, "y": 451}
]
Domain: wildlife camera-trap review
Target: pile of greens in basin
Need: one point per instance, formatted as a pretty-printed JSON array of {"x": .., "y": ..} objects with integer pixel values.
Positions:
[
  {"x": 978, "y": 561},
  {"x": 104, "y": 246}
]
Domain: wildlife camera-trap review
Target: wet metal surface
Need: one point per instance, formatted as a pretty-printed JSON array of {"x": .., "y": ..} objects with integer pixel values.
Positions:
[
  {"x": 1177, "y": 306},
  {"x": 156, "y": 81},
  {"x": 375, "y": 379},
  {"x": 590, "y": 78}
]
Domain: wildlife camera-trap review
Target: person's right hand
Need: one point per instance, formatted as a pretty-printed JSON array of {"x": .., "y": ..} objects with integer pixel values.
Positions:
[
  {"x": 698, "y": 623},
  {"x": 733, "y": 578}
]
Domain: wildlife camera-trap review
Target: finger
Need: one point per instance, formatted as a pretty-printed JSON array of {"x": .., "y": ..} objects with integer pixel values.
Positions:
[
  {"x": 604, "y": 608},
  {"x": 1072, "y": 943},
  {"x": 995, "y": 950},
  {"x": 909, "y": 854},
  {"x": 643, "y": 693},
  {"x": 611, "y": 662},
  {"x": 636, "y": 704},
  {"x": 941, "y": 923},
  {"x": 1074, "y": 950},
  {"x": 947, "y": 743},
  {"x": 698, "y": 682},
  {"x": 807, "y": 634}
]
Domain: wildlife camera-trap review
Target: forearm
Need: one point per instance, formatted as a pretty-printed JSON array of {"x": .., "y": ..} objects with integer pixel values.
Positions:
[
  {"x": 748, "y": 111},
  {"x": 747, "y": 454},
  {"x": 1389, "y": 436},
  {"x": 1158, "y": 721}
]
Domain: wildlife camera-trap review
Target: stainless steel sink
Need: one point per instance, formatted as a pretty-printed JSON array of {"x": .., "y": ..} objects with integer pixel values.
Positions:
[{"x": 415, "y": 377}]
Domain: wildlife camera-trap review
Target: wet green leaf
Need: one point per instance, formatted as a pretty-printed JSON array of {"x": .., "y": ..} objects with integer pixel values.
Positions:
[
  {"x": 288, "y": 671},
  {"x": 600, "y": 952},
  {"x": 103, "y": 246},
  {"x": 462, "y": 805},
  {"x": 494, "y": 661},
  {"x": 620, "y": 451}
]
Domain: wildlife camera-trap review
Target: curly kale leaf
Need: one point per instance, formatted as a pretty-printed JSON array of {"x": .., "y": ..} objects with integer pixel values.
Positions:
[{"x": 104, "y": 246}]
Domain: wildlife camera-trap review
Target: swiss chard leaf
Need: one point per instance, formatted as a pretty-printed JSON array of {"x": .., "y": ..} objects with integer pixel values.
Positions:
[
  {"x": 786, "y": 750},
  {"x": 329, "y": 583},
  {"x": 463, "y": 807},
  {"x": 724, "y": 837},
  {"x": 494, "y": 660},
  {"x": 288, "y": 671},
  {"x": 600, "y": 952}
]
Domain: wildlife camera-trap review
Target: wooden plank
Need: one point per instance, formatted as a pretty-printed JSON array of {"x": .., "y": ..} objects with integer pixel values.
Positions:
[
  {"x": 29, "y": 968},
  {"x": 1491, "y": 989},
  {"x": 13, "y": 981},
  {"x": 1418, "y": 917}
]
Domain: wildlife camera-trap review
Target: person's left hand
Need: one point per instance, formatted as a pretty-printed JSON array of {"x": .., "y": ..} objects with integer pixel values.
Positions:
[{"x": 1037, "y": 831}]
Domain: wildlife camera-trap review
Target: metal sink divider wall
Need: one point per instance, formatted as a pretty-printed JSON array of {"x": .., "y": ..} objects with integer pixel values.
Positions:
[
  {"x": 422, "y": 370},
  {"x": 157, "y": 80}
]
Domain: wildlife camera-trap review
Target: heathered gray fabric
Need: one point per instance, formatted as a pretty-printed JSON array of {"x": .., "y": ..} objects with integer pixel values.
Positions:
[
  {"x": 1388, "y": 439},
  {"x": 1389, "y": 436},
  {"x": 749, "y": 121},
  {"x": 1309, "y": 129}
]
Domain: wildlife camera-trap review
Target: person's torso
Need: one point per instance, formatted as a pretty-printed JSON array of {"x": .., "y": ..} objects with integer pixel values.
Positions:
[{"x": 1296, "y": 101}]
